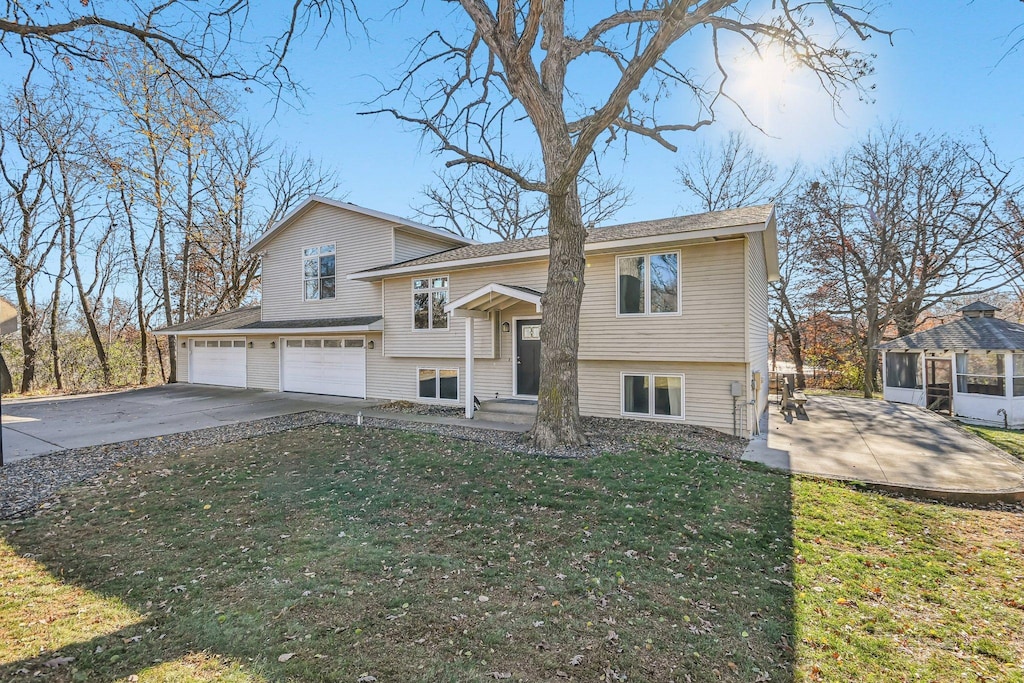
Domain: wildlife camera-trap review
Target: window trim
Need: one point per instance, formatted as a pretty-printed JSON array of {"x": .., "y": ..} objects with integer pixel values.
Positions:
[
  {"x": 647, "y": 284},
  {"x": 302, "y": 268},
  {"x": 437, "y": 385},
  {"x": 1014, "y": 376},
  {"x": 651, "y": 415},
  {"x": 430, "y": 303}
]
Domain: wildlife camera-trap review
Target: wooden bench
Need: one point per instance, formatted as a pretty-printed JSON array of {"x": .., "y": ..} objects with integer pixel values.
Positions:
[{"x": 793, "y": 400}]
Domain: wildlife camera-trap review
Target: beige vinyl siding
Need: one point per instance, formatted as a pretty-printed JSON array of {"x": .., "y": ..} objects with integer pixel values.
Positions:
[
  {"x": 757, "y": 318},
  {"x": 401, "y": 340},
  {"x": 262, "y": 364},
  {"x": 706, "y": 398},
  {"x": 183, "y": 357},
  {"x": 410, "y": 245},
  {"x": 709, "y": 328},
  {"x": 361, "y": 242}
]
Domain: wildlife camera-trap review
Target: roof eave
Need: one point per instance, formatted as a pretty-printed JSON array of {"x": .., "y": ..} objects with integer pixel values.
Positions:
[
  {"x": 592, "y": 247},
  {"x": 372, "y": 327}
]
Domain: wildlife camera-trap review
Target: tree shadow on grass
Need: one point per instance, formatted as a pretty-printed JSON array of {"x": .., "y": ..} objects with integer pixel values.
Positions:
[{"x": 333, "y": 553}]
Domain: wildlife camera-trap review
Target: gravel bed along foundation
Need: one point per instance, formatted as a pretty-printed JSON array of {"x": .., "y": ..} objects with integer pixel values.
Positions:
[{"x": 31, "y": 484}]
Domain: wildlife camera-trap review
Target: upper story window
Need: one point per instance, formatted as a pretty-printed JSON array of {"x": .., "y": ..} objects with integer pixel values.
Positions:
[
  {"x": 648, "y": 284},
  {"x": 318, "y": 272},
  {"x": 429, "y": 297}
]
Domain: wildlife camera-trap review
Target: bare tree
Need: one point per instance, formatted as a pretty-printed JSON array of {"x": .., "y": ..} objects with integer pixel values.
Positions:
[
  {"x": 27, "y": 234},
  {"x": 511, "y": 64},
  {"x": 250, "y": 189},
  {"x": 735, "y": 173},
  {"x": 192, "y": 39},
  {"x": 903, "y": 222},
  {"x": 476, "y": 202}
]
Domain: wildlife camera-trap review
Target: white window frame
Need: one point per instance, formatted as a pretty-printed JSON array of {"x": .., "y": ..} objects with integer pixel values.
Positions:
[
  {"x": 647, "y": 284},
  {"x": 302, "y": 265},
  {"x": 1000, "y": 377},
  {"x": 437, "y": 385},
  {"x": 430, "y": 303},
  {"x": 651, "y": 415}
]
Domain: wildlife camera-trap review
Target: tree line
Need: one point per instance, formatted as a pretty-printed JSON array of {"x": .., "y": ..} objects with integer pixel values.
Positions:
[{"x": 128, "y": 197}]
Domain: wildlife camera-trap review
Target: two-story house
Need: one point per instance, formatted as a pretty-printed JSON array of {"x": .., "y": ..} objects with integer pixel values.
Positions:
[{"x": 355, "y": 302}]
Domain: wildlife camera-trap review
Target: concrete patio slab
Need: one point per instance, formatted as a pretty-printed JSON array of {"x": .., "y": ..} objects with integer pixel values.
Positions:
[{"x": 890, "y": 445}]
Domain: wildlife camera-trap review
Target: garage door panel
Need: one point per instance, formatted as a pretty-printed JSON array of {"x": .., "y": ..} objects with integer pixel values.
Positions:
[
  {"x": 334, "y": 367},
  {"x": 219, "y": 362}
]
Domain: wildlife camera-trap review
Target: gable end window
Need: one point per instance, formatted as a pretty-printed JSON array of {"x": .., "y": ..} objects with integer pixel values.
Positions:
[
  {"x": 648, "y": 284},
  {"x": 429, "y": 297},
  {"x": 318, "y": 273}
]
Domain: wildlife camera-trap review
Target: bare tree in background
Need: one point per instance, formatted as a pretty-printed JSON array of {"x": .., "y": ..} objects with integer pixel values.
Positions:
[
  {"x": 476, "y": 202},
  {"x": 732, "y": 174},
  {"x": 27, "y": 233},
  {"x": 511, "y": 64},
  {"x": 902, "y": 223},
  {"x": 251, "y": 186},
  {"x": 192, "y": 40}
]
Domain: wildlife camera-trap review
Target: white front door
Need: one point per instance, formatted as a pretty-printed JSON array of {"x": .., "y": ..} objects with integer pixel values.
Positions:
[
  {"x": 334, "y": 366},
  {"x": 217, "y": 361}
]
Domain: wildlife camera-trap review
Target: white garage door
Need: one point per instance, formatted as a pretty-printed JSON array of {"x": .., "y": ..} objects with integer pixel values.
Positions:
[
  {"x": 324, "y": 366},
  {"x": 217, "y": 361}
]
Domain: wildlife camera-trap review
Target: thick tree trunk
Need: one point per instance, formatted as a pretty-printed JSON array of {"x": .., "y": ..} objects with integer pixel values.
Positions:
[
  {"x": 28, "y": 329},
  {"x": 796, "y": 349},
  {"x": 558, "y": 416},
  {"x": 6, "y": 383}
]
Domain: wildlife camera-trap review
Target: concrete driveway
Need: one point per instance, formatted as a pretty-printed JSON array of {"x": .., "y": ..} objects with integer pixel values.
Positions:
[
  {"x": 36, "y": 426},
  {"x": 893, "y": 445}
]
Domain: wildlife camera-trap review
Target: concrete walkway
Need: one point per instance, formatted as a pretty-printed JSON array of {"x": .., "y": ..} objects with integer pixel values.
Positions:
[
  {"x": 890, "y": 445},
  {"x": 36, "y": 426}
]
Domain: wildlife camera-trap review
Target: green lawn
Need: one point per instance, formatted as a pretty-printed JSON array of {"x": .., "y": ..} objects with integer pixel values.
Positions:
[
  {"x": 343, "y": 554},
  {"x": 1010, "y": 440}
]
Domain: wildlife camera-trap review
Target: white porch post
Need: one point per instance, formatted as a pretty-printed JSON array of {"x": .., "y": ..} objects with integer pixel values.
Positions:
[{"x": 469, "y": 367}]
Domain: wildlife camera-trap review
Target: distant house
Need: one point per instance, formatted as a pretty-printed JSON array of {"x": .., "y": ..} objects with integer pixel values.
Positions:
[
  {"x": 673, "y": 327},
  {"x": 972, "y": 368}
]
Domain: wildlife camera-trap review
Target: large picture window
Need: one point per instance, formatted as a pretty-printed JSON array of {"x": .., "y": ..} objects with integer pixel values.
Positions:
[
  {"x": 318, "y": 273},
  {"x": 652, "y": 395},
  {"x": 902, "y": 370},
  {"x": 981, "y": 373},
  {"x": 648, "y": 284},
  {"x": 438, "y": 384},
  {"x": 429, "y": 297}
]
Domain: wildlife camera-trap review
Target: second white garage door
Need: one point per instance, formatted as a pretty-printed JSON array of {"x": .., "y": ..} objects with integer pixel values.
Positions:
[{"x": 324, "y": 366}]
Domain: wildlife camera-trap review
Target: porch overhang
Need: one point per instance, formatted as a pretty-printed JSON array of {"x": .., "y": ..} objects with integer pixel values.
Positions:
[
  {"x": 493, "y": 297},
  {"x": 482, "y": 304}
]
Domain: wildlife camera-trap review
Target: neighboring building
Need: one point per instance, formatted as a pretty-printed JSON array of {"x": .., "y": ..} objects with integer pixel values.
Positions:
[
  {"x": 674, "y": 320},
  {"x": 971, "y": 368}
]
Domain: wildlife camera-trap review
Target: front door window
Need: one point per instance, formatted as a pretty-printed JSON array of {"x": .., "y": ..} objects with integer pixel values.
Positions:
[{"x": 527, "y": 353}]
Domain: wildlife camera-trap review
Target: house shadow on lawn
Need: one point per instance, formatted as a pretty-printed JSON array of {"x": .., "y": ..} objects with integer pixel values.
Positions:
[{"x": 335, "y": 553}]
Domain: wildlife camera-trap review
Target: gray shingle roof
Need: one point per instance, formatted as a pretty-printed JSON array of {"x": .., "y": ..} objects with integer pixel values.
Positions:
[
  {"x": 979, "y": 306},
  {"x": 751, "y": 215},
  {"x": 526, "y": 290},
  {"x": 248, "y": 319},
  {"x": 964, "y": 333}
]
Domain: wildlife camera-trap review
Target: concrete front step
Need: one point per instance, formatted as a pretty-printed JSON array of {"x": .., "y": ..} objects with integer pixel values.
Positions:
[{"x": 516, "y": 411}]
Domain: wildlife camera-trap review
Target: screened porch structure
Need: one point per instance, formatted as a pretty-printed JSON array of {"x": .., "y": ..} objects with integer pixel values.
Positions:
[{"x": 971, "y": 368}]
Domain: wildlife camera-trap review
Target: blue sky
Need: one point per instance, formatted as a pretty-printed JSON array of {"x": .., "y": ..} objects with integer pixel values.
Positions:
[{"x": 943, "y": 75}]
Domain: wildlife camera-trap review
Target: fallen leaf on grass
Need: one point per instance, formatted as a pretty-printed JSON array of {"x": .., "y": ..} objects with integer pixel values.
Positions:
[{"x": 285, "y": 657}]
